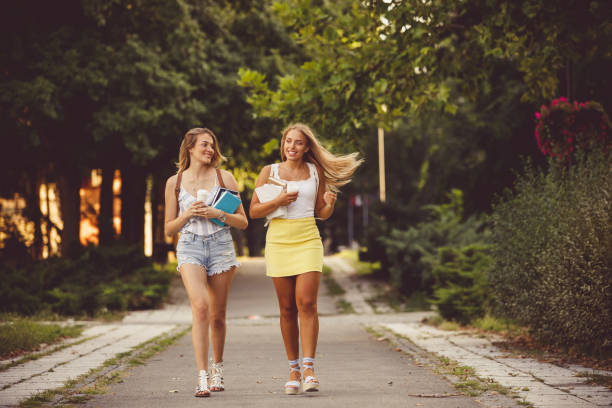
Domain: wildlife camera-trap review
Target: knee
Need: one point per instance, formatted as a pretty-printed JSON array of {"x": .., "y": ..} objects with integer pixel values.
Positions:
[
  {"x": 288, "y": 311},
  {"x": 217, "y": 321},
  {"x": 307, "y": 305},
  {"x": 200, "y": 310}
]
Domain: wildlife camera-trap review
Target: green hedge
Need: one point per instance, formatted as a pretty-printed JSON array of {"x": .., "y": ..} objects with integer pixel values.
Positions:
[
  {"x": 461, "y": 290},
  {"x": 552, "y": 241},
  {"x": 411, "y": 253},
  {"x": 114, "y": 278}
]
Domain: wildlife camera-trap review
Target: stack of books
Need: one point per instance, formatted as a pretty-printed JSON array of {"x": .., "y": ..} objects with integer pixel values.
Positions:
[{"x": 225, "y": 200}]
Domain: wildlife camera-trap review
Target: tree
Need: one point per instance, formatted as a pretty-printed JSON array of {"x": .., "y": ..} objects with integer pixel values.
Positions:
[{"x": 374, "y": 62}]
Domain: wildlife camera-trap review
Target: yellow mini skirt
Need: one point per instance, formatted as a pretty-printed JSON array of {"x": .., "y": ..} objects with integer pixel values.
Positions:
[{"x": 293, "y": 247}]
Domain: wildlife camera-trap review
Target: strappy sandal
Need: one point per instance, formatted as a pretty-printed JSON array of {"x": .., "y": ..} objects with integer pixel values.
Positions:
[
  {"x": 202, "y": 388},
  {"x": 216, "y": 382},
  {"x": 292, "y": 387},
  {"x": 310, "y": 382}
]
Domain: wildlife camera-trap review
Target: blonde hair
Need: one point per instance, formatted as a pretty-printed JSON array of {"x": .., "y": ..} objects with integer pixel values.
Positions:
[
  {"x": 337, "y": 170},
  {"x": 189, "y": 141}
]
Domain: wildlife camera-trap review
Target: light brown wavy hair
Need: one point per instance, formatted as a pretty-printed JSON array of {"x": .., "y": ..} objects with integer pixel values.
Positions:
[
  {"x": 189, "y": 141},
  {"x": 337, "y": 169}
]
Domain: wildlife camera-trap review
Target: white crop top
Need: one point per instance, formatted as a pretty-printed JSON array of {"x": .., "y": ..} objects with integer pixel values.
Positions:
[
  {"x": 304, "y": 205},
  {"x": 196, "y": 225}
]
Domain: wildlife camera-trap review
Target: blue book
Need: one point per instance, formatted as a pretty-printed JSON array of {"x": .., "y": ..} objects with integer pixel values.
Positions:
[{"x": 227, "y": 202}]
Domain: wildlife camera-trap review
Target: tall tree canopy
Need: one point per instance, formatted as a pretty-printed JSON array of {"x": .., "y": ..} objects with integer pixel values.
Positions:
[{"x": 376, "y": 61}]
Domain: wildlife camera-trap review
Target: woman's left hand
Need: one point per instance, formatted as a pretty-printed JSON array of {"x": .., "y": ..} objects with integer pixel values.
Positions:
[{"x": 329, "y": 198}]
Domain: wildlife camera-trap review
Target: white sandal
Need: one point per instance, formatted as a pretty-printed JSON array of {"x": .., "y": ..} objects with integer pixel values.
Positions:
[
  {"x": 216, "y": 382},
  {"x": 202, "y": 388},
  {"x": 292, "y": 387},
  {"x": 310, "y": 382}
]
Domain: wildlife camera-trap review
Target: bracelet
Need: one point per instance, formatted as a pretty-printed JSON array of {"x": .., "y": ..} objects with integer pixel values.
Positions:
[{"x": 222, "y": 216}]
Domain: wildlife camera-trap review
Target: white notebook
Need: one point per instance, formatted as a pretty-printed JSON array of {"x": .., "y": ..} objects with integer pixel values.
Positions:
[{"x": 269, "y": 192}]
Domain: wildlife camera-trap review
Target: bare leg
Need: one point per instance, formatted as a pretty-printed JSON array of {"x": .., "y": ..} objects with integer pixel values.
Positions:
[
  {"x": 306, "y": 290},
  {"x": 218, "y": 291},
  {"x": 285, "y": 291},
  {"x": 194, "y": 279}
]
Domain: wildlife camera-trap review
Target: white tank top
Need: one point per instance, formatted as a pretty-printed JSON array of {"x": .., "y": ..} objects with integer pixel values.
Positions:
[
  {"x": 196, "y": 225},
  {"x": 304, "y": 205}
]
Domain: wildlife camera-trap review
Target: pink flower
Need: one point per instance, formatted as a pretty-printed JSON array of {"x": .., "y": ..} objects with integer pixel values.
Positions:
[
  {"x": 538, "y": 115},
  {"x": 555, "y": 102},
  {"x": 563, "y": 99}
]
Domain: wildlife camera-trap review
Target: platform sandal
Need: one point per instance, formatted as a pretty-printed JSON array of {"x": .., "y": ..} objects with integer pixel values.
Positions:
[
  {"x": 310, "y": 382},
  {"x": 216, "y": 382},
  {"x": 292, "y": 387},
  {"x": 202, "y": 388}
]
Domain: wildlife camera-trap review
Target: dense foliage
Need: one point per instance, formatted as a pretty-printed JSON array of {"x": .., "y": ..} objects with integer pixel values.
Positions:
[
  {"x": 89, "y": 281},
  {"x": 552, "y": 245},
  {"x": 412, "y": 253},
  {"x": 461, "y": 288}
]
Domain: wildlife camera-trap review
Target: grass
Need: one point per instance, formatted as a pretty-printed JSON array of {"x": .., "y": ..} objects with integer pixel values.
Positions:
[
  {"x": 36, "y": 356},
  {"x": 467, "y": 382},
  {"x": 344, "y": 307},
  {"x": 463, "y": 378},
  {"x": 361, "y": 267},
  {"x": 598, "y": 379},
  {"x": 497, "y": 325},
  {"x": 81, "y": 389},
  {"x": 333, "y": 288},
  {"x": 19, "y": 335}
]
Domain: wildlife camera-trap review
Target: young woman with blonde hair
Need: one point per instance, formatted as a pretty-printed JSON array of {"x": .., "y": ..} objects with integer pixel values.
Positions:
[
  {"x": 294, "y": 251},
  {"x": 205, "y": 251}
]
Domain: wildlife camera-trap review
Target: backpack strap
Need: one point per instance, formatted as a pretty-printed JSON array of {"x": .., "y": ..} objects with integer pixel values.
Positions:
[
  {"x": 177, "y": 190},
  {"x": 220, "y": 178}
]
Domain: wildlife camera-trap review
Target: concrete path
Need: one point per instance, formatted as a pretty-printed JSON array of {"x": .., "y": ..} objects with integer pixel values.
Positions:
[
  {"x": 541, "y": 384},
  {"x": 354, "y": 367}
]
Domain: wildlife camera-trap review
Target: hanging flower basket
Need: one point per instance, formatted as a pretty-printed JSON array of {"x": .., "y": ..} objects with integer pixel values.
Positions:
[{"x": 564, "y": 126}]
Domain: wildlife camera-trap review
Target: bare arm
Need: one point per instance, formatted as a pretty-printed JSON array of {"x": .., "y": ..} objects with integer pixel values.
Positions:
[
  {"x": 260, "y": 210},
  {"x": 172, "y": 222},
  {"x": 326, "y": 200}
]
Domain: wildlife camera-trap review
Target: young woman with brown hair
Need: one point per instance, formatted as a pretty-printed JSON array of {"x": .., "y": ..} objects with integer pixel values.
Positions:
[{"x": 205, "y": 251}]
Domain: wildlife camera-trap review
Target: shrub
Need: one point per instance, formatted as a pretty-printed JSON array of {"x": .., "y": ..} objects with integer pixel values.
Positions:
[
  {"x": 552, "y": 241},
  {"x": 460, "y": 287},
  {"x": 410, "y": 252},
  {"x": 117, "y": 277}
]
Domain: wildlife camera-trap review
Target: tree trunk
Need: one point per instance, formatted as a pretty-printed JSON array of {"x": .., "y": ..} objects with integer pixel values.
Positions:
[
  {"x": 160, "y": 247},
  {"x": 105, "y": 218},
  {"x": 32, "y": 212},
  {"x": 133, "y": 191},
  {"x": 69, "y": 183}
]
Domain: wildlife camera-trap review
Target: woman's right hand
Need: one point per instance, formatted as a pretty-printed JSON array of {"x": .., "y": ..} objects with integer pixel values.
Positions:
[
  {"x": 196, "y": 209},
  {"x": 285, "y": 198}
]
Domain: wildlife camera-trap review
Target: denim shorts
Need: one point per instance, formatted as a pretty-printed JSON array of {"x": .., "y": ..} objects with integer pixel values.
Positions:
[{"x": 214, "y": 252}]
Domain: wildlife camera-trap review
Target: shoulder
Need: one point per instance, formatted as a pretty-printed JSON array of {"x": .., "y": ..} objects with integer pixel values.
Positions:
[
  {"x": 226, "y": 174},
  {"x": 318, "y": 169},
  {"x": 266, "y": 170},
  {"x": 228, "y": 179},
  {"x": 171, "y": 182}
]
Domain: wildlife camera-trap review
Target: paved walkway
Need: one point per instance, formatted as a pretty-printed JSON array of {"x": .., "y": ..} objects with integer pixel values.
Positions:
[{"x": 353, "y": 367}]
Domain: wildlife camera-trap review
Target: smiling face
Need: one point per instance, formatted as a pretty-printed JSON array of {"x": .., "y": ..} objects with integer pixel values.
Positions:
[
  {"x": 204, "y": 149},
  {"x": 295, "y": 145}
]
